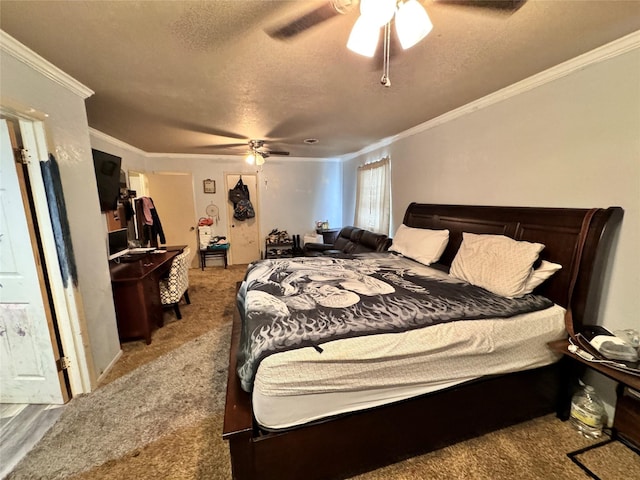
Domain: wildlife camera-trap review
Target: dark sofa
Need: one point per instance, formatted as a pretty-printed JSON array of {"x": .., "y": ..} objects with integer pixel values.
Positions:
[{"x": 350, "y": 240}]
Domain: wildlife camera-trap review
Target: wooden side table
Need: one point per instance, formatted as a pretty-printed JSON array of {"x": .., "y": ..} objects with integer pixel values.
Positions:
[
  {"x": 217, "y": 251},
  {"x": 626, "y": 422},
  {"x": 629, "y": 405}
]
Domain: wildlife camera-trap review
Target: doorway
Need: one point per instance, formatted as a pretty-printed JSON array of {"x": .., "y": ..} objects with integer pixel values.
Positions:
[
  {"x": 244, "y": 235},
  {"x": 28, "y": 346},
  {"x": 174, "y": 198}
]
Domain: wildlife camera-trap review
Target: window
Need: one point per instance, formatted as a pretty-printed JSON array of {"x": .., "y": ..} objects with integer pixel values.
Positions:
[{"x": 373, "y": 196}]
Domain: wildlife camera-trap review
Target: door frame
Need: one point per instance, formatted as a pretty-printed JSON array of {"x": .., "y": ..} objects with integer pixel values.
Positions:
[{"x": 65, "y": 301}]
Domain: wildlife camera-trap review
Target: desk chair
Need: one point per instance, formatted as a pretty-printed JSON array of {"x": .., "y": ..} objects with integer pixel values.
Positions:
[{"x": 176, "y": 285}]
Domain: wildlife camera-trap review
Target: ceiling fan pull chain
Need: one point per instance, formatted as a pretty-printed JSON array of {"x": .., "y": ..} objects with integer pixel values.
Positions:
[{"x": 385, "y": 80}]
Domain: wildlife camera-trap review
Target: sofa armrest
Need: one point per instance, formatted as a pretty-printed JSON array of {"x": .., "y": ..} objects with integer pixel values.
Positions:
[
  {"x": 317, "y": 247},
  {"x": 372, "y": 242}
]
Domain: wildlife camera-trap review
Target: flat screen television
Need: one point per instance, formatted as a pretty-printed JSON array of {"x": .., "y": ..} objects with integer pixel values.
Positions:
[
  {"x": 107, "y": 170},
  {"x": 118, "y": 243}
]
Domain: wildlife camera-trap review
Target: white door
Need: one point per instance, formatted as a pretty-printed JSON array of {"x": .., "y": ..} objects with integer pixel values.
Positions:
[
  {"x": 28, "y": 371},
  {"x": 244, "y": 235},
  {"x": 173, "y": 197}
]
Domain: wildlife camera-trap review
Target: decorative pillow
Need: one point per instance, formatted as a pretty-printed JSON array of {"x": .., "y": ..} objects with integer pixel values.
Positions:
[
  {"x": 539, "y": 275},
  {"x": 423, "y": 245},
  {"x": 496, "y": 263}
]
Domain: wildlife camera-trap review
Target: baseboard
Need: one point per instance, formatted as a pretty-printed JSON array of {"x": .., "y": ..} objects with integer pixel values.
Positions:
[{"x": 109, "y": 367}]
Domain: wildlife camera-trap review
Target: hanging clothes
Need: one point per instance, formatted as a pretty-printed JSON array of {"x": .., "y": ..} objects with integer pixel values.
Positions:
[
  {"x": 147, "y": 206},
  {"x": 128, "y": 210},
  {"x": 149, "y": 225},
  {"x": 59, "y": 220}
]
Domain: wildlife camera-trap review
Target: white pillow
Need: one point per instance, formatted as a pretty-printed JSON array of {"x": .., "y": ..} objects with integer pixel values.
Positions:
[
  {"x": 423, "y": 245},
  {"x": 539, "y": 275},
  {"x": 496, "y": 263}
]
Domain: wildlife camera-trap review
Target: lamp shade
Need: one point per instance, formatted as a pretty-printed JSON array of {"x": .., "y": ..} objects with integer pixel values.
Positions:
[
  {"x": 259, "y": 159},
  {"x": 378, "y": 12},
  {"x": 412, "y": 23},
  {"x": 363, "y": 39},
  {"x": 251, "y": 158}
]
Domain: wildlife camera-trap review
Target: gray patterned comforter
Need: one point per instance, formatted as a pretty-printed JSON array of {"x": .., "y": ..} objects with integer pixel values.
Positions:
[{"x": 300, "y": 302}]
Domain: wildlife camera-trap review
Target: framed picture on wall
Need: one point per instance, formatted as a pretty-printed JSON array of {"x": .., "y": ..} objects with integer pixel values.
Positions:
[{"x": 209, "y": 186}]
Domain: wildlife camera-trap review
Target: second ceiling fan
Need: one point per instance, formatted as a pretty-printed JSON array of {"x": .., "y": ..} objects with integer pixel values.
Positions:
[{"x": 258, "y": 153}]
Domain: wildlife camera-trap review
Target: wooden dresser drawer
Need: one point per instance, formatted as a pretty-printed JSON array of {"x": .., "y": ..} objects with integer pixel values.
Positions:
[{"x": 627, "y": 417}]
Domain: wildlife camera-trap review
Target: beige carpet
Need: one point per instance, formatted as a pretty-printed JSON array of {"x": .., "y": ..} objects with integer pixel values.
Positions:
[{"x": 158, "y": 414}]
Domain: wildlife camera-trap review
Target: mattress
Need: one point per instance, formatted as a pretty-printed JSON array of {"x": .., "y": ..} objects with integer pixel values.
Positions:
[{"x": 299, "y": 386}]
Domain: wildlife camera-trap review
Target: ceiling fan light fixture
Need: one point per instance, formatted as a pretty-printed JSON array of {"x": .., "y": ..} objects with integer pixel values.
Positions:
[
  {"x": 363, "y": 39},
  {"x": 259, "y": 159},
  {"x": 412, "y": 23},
  {"x": 251, "y": 158},
  {"x": 378, "y": 12}
]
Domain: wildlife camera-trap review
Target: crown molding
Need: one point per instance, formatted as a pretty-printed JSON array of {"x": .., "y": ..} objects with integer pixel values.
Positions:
[
  {"x": 610, "y": 50},
  {"x": 115, "y": 142},
  {"x": 27, "y": 56},
  {"x": 200, "y": 156},
  {"x": 276, "y": 159}
]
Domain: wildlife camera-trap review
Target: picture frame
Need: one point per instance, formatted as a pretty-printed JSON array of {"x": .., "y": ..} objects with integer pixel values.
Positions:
[{"x": 209, "y": 186}]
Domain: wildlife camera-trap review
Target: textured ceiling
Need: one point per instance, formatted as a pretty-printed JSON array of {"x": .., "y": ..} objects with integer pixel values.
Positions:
[{"x": 188, "y": 77}]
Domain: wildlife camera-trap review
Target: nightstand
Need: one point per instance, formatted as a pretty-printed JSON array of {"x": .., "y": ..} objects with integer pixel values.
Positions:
[{"x": 627, "y": 417}]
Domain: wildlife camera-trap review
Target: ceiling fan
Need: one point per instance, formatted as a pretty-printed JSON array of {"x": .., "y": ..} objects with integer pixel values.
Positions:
[
  {"x": 258, "y": 153},
  {"x": 409, "y": 18},
  {"x": 255, "y": 146},
  {"x": 334, "y": 8}
]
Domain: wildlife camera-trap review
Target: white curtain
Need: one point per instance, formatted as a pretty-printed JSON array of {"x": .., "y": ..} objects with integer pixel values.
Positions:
[{"x": 373, "y": 196}]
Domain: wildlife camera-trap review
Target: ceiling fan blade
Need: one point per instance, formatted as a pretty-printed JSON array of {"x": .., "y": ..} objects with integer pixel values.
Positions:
[
  {"x": 194, "y": 127},
  {"x": 504, "y": 6},
  {"x": 277, "y": 152},
  {"x": 228, "y": 145},
  {"x": 330, "y": 9}
]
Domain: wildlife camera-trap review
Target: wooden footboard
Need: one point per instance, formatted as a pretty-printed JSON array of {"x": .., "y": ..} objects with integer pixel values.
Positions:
[{"x": 238, "y": 415}]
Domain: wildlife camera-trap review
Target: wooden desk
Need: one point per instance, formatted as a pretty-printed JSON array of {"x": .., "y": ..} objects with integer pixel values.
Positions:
[{"x": 136, "y": 293}]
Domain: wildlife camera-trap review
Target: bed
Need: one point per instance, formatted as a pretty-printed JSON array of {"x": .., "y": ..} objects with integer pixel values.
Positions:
[{"x": 431, "y": 413}]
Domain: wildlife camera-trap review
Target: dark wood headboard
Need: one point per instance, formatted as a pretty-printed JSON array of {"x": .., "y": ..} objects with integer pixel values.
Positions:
[{"x": 557, "y": 228}]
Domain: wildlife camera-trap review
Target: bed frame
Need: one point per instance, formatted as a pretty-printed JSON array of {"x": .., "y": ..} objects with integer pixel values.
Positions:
[{"x": 350, "y": 444}]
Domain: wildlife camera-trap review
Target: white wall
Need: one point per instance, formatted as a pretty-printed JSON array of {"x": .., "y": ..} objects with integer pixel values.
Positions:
[
  {"x": 68, "y": 138},
  {"x": 293, "y": 193},
  {"x": 573, "y": 142}
]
